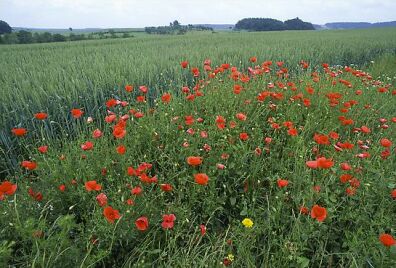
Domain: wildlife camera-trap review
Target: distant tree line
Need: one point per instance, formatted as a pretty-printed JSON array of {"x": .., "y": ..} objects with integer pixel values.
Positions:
[
  {"x": 176, "y": 28},
  {"x": 266, "y": 24},
  {"x": 7, "y": 36}
]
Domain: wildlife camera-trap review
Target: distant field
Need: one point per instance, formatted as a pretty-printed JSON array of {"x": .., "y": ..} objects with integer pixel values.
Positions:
[
  {"x": 59, "y": 76},
  {"x": 78, "y": 31},
  {"x": 235, "y": 149}
]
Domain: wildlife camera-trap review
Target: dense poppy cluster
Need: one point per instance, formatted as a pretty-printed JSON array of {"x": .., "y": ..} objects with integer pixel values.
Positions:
[{"x": 339, "y": 151}]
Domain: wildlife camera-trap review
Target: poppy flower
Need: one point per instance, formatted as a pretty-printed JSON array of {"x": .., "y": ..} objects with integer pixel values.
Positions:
[
  {"x": 319, "y": 213},
  {"x": 142, "y": 223},
  {"x": 321, "y": 162},
  {"x": 304, "y": 210},
  {"x": 194, "y": 160},
  {"x": 282, "y": 183},
  {"x": 201, "y": 178},
  {"x": 184, "y": 64},
  {"x": 168, "y": 221},
  {"x": 128, "y": 88},
  {"x": 19, "y": 132},
  {"x": 136, "y": 190},
  {"x": 97, "y": 134},
  {"x": 7, "y": 188},
  {"x": 29, "y": 165},
  {"x": 321, "y": 139},
  {"x": 292, "y": 132},
  {"x": 393, "y": 194},
  {"x": 166, "y": 98},
  {"x": 243, "y": 136},
  {"x": 121, "y": 149},
  {"x": 241, "y": 116},
  {"x": 119, "y": 132},
  {"x": 43, "y": 149},
  {"x": 101, "y": 199},
  {"x": 62, "y": 187},
  {"x": 385, "y": 142},
  {"x": 166, "y": 187},
  {"x": 387, "y": 240},
  {"x": 92, "y": 186},
  {"x": 77, "y": 113},
  {"x": 87, "y": 146},
  {"x": 202, "y": 229},
  {"x": 111, "y": 214},
  {"x": 41, "y": 116}
]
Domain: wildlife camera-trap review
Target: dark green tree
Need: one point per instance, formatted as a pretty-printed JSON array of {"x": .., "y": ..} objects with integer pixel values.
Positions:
[
  {"x": 297, "y": 24},
  {"x": 4, "y": 27},
  {"x": 25, "y": 37},
  {"x": 58, "y": 38}
]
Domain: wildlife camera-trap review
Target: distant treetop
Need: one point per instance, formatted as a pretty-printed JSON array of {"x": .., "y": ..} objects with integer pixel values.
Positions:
[
  {"x": 267, "y": 24},
  {"x": 4, "y": 27}
]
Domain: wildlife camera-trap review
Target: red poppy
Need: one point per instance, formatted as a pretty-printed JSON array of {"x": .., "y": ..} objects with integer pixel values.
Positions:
[
  {"x": 244, "y": 136},
  {"x": 41, "y": 116},
  {"x": 202, "y": 229},
  {"x": 77, "y": 113},
  {"x": 87, "y": 146},
  {"x": 184, "y": 64},
  {"x": 393, "y": 194},
  {"x": 321, "y": 162},
  {"x": 201, "y": 178},
  {"x": 121, "y": 149},
  {"x": 128, "y": 88},
  {"x": 253, "y": 59},
  {"x": 194, "y": 160},
  {"x": 101, "y": 199},
  {"x": 92, "y": 186},
  {"x": 19, "y": 132},
  {"x": 111, "y": 214},
  {"x": 168, "y": 221},
  {"x": 111, "y": 103},
  {"x": 43, "y": 149},
  {"x": 62, "y": 187},
  {"x": 241, "y": 116},
  {"x": 385, "y": 142},
  {"x": 30, "y": 165},
  {"x": 282, "y": 183},
  {"x": 119, "y": 132},
  {"x": 166, "y": 98},
  {"x": 142, "y": 223},
  {"x": 319, "y": 213},
  {"x": 7, "y": 188},
  {"x": 166, "y": 187},
  {"x": 304, "y": 210},
  {"x": 321, "y": 139},
  {"x": 292, "y": 132},
  {"x": 387, "y": 240},
  {"x": 136, "y": 190}
]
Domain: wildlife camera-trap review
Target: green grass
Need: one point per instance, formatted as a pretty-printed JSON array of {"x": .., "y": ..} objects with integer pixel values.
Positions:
[
  {"x": 58, "y": 77},
  {"x": 69, "y": 227}
]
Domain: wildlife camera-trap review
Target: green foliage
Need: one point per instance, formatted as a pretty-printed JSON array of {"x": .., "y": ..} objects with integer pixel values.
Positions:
[
  {"x": 264, "y": 24},
  {"x": 175, "y": 28},
  {"x": 5, "y": 28}
]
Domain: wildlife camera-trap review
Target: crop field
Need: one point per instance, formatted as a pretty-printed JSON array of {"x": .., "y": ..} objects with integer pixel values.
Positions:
[{"x": 204, "y": 150}]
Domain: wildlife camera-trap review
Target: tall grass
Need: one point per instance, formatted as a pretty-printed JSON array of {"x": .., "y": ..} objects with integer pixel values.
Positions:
[{"x": 57, "y": 77}]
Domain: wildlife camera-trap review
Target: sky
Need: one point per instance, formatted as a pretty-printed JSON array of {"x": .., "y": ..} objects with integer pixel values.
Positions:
[{"x": 141, "y": 13}]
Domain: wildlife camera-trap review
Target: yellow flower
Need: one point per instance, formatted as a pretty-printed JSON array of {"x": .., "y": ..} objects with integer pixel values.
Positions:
[
  {"x": 230, "y": 257},
  {"x": 248, "y": 223}
]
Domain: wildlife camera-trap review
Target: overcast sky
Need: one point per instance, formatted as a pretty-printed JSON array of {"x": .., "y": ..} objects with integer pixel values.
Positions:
[{"x": 140, "y": 13}]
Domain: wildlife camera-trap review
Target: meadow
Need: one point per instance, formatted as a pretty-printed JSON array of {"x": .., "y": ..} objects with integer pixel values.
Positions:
[{"x": 202, "y": 150}]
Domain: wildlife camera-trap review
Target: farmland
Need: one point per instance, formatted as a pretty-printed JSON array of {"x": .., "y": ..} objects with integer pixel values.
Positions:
[{"x": 232, "y": 148}]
